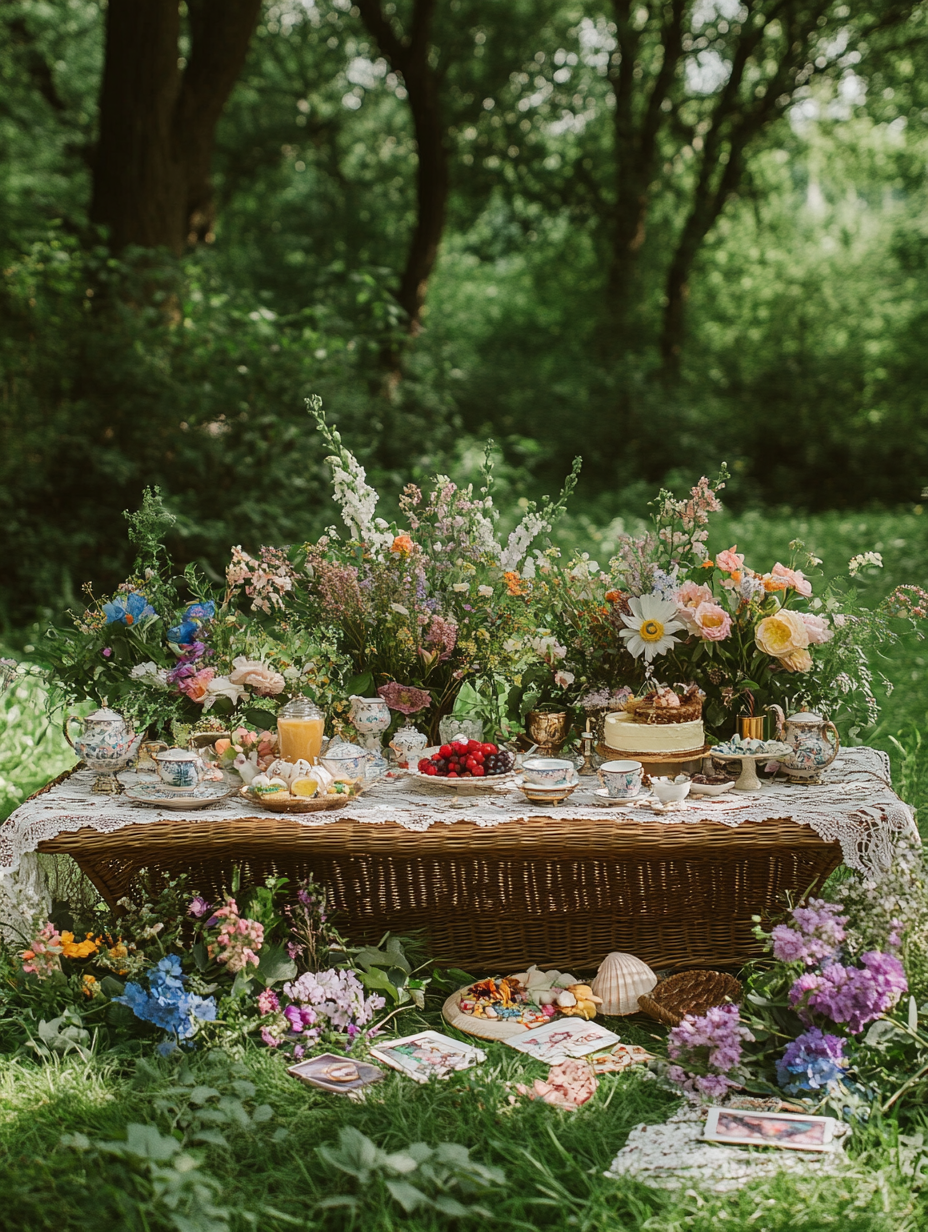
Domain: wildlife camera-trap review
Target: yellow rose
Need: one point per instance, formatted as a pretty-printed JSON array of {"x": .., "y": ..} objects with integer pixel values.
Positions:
[
  {"x": 797, "y": 661},
  {"x": 782, "y": 634}
]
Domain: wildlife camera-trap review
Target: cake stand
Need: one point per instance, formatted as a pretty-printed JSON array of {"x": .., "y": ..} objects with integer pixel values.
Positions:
[
  {"x": 658, "y": 763},
  {"x": 748, "y": 779}
]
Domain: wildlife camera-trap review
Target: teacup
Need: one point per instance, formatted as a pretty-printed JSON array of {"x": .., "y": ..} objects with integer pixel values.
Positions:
[
  {"x": 621, "y": 779},
  {"x": 180, "y": 769},
  {"x": 548, "y": 771},
  {"x": 671, "y": 791}
]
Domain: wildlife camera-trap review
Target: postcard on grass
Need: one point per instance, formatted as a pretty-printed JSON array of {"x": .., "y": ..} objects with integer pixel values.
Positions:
[
  {"x": 338, "y": 1074},
  {"x": 427, "y": 1054},
  {"x": 565, "y": 1038},
  {"x": 792, "y": 1131}
]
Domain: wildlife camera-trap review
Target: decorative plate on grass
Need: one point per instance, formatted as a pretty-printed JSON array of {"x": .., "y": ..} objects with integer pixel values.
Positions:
[{"x": 280, "y": 803}]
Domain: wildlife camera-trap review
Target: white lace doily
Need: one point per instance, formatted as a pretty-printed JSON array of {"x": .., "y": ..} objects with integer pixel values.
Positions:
[{"x": 855, "y": 805}]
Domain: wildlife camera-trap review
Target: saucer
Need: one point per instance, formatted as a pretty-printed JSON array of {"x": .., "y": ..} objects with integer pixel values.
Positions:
[
  {"x": 603, "y": 797},
  {"x": 168, "y": 797}
]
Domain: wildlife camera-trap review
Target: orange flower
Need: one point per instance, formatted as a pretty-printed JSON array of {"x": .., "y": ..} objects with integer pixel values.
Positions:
[
  {"x": 708, "y": 564},
  {"x": 402, "y": 545},
  {"x": 90, "y": 985},
  {"x": 514, "y": 584},
  {"x": 77, "y": 949},
  {"x": 613, "y": 596}
]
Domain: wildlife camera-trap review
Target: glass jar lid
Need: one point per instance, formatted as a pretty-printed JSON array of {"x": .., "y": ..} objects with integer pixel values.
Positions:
[{"x": 300, "y": 708}]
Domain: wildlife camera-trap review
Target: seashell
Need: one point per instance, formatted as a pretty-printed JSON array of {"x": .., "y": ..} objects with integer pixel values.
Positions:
[
  {"x": 547, "y": 996},
  {"x": 566, "y": 999},
  {"x": 490, "y": 1012},
  {"x": 620, "y": 981}
]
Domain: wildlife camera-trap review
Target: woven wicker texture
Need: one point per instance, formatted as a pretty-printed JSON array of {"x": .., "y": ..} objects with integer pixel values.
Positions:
[
  {"x": 689, "y": 992},
  {"x": 554, "y": 891}
]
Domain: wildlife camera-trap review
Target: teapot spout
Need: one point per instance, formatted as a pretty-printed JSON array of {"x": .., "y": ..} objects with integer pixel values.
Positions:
[{"x": 780, "y": 718}]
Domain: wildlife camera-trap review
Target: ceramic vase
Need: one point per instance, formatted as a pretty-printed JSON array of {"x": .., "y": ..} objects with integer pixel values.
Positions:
[
  {"x": 371, "y": 718},
  {"x": 408, "y": 744}
]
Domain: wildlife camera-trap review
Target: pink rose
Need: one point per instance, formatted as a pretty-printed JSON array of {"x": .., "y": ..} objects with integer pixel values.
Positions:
[
  {"x": 713, "y": 623},
  {"x": 817, "y": 628},
  {"x": 794, "y": 579},
  {"x": 689, "y": 597},
  {"x": 256, "y": 676},
  {"x": 730, "y": 561}
]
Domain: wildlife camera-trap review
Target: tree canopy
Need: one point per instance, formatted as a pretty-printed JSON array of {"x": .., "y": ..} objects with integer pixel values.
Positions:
[{"x": 656, "y": 233}]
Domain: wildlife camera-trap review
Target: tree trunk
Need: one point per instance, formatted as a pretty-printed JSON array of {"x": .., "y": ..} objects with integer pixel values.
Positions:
[
  {"x": 139, "y": 189},
  {"x": 408, "y": 55},
  {"x": 432, "y": 185},
  {"x": 157, "y": 125},
  {"x": 220, "y": 34}
]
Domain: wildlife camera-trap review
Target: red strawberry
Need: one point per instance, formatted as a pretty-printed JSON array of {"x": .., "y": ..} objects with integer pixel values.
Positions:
[
  {"x": 479, "y": 772},
  {"x": 473, "y": 746},
  {"x": 488, "y": 749},
  {"x": 444, "y": 751}
]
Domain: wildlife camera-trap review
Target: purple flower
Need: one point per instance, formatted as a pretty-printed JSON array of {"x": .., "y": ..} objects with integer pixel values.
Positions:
[
  {"x": 812, "y": 1061},
  {"x": 268, "y": 1038},
  {"x": 852, "y": 995},
  {"x": 405, "y": 698},
  {"x": 198, "y": 907},
  {"x": 817, "y": 935},
  {"x": 299, "y": 1017},
  {"x": 294, "y": 950},
  {"x": 106, "y": 651},
  {"x": 708, "y": 1049}
]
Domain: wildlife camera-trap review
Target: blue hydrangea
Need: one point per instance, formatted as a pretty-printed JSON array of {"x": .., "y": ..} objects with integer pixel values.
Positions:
[
  {"x": 812, "y": 1061},
  {"x": 167, "y": 1003},
  {"x": 128, "y": 609}
]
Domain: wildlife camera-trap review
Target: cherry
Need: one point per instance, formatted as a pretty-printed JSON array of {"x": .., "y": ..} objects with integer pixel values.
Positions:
[
  {"x": 473, "y": 746},
  {"x": 488, "y": 749},
  {"x": 445, "y": 750},
  {"x": 479, "y": 772}
]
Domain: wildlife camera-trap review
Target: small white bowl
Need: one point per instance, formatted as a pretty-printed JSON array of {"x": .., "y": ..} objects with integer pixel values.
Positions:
[
  {"x": 711, "y": 789},
  {"x": 669, "y": 792}
]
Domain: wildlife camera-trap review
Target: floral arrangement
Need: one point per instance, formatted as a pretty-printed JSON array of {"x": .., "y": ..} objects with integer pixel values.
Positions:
[
  {"x": 812, "y": 1021},
  {"x": 436, "y": 605},
  {"x": 188, "y": 973}
]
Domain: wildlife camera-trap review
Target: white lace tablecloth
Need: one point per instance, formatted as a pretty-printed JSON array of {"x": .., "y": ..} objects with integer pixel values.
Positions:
[{"x": 855, "y": 805}]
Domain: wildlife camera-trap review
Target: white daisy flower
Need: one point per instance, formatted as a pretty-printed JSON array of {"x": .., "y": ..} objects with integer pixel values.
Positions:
[{"x": 650, "y": 626}]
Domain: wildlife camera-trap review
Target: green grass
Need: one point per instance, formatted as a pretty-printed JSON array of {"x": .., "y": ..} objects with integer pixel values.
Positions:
[{"x": 269, "y": 1175}]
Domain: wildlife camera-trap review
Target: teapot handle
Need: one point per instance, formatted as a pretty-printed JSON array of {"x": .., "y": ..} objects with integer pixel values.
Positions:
[
  {"x": 836, "y": 739},
  {"x": 72, "y": 718}
]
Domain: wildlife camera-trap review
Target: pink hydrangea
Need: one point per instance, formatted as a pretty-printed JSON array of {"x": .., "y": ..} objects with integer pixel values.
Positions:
[{"x": 238, "y": 939}]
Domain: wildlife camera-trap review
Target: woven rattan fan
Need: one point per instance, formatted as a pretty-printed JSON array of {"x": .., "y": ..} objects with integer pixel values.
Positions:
[{"x": 689, "y": 992}]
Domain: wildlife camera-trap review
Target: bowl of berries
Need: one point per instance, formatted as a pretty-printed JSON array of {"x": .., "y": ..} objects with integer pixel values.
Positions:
[{"x": 466, "y": 765}]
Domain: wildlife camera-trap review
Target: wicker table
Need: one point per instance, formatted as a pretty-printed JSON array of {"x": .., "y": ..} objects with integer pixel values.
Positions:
[
  {"x": 493, "y": 884},
  {"x": 501, "y": 898}
]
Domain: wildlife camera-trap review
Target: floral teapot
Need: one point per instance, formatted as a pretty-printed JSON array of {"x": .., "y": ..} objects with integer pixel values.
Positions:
[
  {"x": 105, "y": 745},
  {"x": 807, "y": 734}
]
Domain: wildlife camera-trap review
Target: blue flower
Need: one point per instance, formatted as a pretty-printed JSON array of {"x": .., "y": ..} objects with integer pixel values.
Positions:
[
  {"x": 168, "y": 1004},
  {"x": 812, "y": 1061},
  {"x": 196, "y": 614},
  {"x": 129, "y": 610}
]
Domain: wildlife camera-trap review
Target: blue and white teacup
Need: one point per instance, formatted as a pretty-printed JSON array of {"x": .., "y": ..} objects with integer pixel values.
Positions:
[
  {"x": 180, "y": 769},
  {"x": 621, "y": 779},
  {"x": 548, "y": 771}
]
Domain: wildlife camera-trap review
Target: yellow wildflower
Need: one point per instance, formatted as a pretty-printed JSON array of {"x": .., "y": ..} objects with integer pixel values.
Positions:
[{"x": 77, "y": 949}]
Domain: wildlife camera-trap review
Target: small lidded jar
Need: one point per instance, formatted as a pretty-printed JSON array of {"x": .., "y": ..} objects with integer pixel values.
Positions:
[{"x": 300, "y": 726}]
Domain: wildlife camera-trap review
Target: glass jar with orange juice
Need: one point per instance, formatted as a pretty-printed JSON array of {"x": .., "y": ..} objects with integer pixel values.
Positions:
[{"x": 300, "y": 726}]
